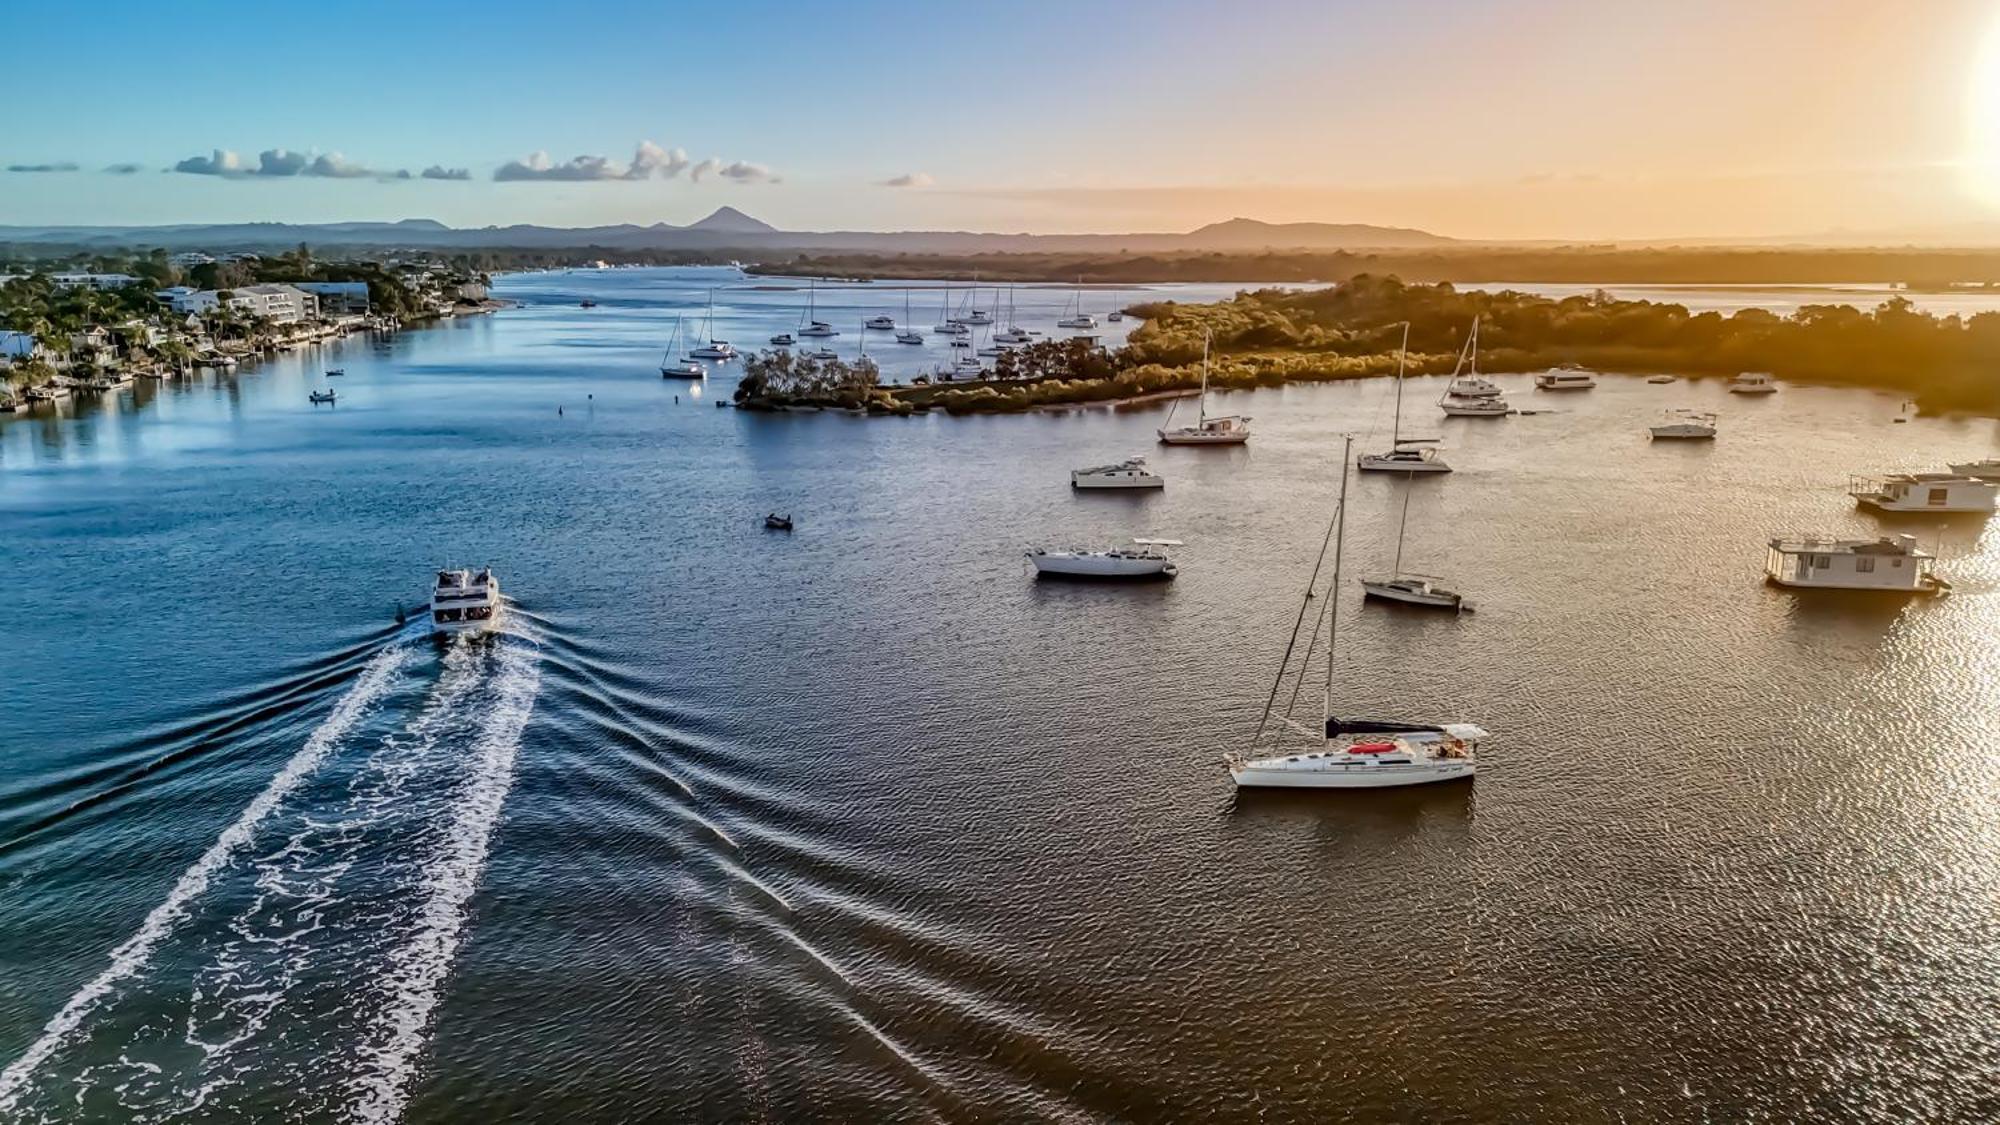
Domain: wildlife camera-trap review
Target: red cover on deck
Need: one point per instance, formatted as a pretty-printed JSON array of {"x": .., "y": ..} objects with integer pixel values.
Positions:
[{"x": 1371, "y": 748}]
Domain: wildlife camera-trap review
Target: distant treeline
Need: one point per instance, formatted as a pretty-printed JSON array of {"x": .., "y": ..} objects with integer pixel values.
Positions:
[{"x": 1576, "y": 265}]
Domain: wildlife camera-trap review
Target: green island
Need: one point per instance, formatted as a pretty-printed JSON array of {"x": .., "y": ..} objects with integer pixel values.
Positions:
[{"x": 1270, "y": 337}]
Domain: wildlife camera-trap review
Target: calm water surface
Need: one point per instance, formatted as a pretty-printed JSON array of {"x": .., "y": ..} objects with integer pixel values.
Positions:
[{"x": 863, "y": 823}]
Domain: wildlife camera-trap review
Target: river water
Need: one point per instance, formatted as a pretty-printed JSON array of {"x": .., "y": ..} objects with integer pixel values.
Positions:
[{"x": 864, "y": 823}]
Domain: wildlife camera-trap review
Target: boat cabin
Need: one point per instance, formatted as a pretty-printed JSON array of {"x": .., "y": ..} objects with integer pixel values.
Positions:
[
  {"x": 1891, "y": 563},
  {"x": 1925, "y": 492}
]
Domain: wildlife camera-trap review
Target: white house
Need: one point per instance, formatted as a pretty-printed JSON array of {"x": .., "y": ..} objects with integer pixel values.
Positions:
[
  {"x": 281, "y": 304},
  {"x": 187, "y": 301}
]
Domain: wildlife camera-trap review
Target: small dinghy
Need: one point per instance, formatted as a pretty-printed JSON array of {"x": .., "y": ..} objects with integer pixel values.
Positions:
[
  {"x": 776, "y": 522},
  {"x": 320, "y": 396},
  {"x": 336, "y": 373}
]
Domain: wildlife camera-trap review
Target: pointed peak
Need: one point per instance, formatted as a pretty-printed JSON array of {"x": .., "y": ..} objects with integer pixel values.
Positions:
[{"x": 732, "y": 221}]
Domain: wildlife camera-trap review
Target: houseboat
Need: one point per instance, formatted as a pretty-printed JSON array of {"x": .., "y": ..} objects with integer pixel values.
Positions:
[
  {"x": 1567, "y": 377},
  {"x": 1925, "y": 492},
  {"x": 1892, "y": 564}
]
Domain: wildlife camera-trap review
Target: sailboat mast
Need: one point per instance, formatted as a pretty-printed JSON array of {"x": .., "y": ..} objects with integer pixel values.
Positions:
[
  {"x": 1401, "y": 528},
  {"x": 1201, "y": 405},
  {"x": 1402, "y": 353},
  {"x": 1333, "y": 591}
]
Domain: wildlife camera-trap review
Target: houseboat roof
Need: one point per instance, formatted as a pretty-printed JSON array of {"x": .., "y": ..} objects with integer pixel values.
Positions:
[{"x": 1901, "y": 545}]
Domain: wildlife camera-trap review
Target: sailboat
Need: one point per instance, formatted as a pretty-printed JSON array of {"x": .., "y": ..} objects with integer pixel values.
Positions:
[
  {"x": 815, "y": 326},
  {"x": 714, "y": 349},
  {"x": 971, "y": 315},
  {"x": 1013, "y": 333},
  {"x": 948, "y": 324},
  {"x": 1412, "y": 589},
  {"x": 1117, "y": 313},
  {"x": 908, "y": 335},
  {"x": 1232, "y": 429},
  {"x": 1400, "y": 459},
  {"x": 671, "y": 368},
  {"x": 1346, "y": 753},
  {"x": 1467, "y": 395},
  {"x": 1077, "y": 318}
]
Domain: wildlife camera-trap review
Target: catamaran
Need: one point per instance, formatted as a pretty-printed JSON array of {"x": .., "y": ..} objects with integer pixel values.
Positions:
[
  {"x": 1345, "y": 753},
  {"x": 1230, "y": 429},
  {"x": 671, "y": 368},
  {"x": 1403, "y": 456}
]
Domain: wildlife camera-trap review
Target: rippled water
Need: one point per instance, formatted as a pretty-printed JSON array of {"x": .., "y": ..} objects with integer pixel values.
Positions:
[{"x": 864, "y": 823}]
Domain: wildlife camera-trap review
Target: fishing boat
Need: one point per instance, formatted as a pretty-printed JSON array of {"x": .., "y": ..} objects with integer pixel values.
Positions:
[
  {"x": 1344, "y": 753},
  {"x": 1685, "y": 425},
  {"x": 1145, "y": 560},
  {"x": 714, "y": 349},
  {"x": 684, "y": 368},
  {"x": 1412, "y": 589},
  {"x": 1405, "y": 455},
  {"x": 464, "y": 602},
  {"x": 1566, "y": 377},
  {"x": 1129, "y": 473},
  {"x": 1753, "y": 383},
  {"x": 320, "y": 396},
  {"x": 1229, "y": 429}
]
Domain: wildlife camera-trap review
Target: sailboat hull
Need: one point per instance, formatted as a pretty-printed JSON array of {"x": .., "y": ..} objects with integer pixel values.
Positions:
[
  {"x": 1192, "y": 437},
  {"x": 1430, "y": 599},
  {"x": 1270, "y": 774}
]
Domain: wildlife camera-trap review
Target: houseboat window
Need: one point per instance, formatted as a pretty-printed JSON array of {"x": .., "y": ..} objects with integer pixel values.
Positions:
[
  {"x": 1819, "y": 562},
  {"x": 1938, "y": 496},
  {"x": 1865, "y": 565}
]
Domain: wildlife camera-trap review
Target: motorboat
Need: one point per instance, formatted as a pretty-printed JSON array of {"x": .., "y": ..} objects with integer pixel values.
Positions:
[
  {"x": 1987, "y": 469},
  {"x": 683, "y": 368},
  {"x": 1890, "y": 564},
  {"x": 966, "y": 366},
  {"x": 1012, "y": 335},
  {"x": 1344, "y": 753},
  {"x": 1567, "y": 377},
  {"x": 586, "y": 304},
  {"x": 321, "y": 396},
  {"x": 1145, "y": 559},
  {"x": 909, "y": 336},
  {"x": 880, "y": 323},
  {"x": 1406, "y": 455},
  {"x": 783, "y": 340},
  {"x": 776, "y": 522},
  {"x": 992, "y": 351},
  {"x": 1925, "y": 492},
  {"x": 1129, "y": 473},
  {"x": 1231, "y": 429},
  {"x": 1685, "y": 425},
  {"x": 465, "y": 602},
  {"x": 1753, "y": 383}
]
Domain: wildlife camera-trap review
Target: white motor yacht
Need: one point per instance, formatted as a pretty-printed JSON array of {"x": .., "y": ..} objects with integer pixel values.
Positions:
[
  {"x": 823, "y": 354},
  {"x": 1685, "y": 425},
  {"x": 1130, "y": 473},
  {"x": 880, "y": 323},
  {"x": 1231, "y": 429},
  {"x": 818, "y": 328},
  {"x": 464, "y": 602},
  {"x": 1925, "y": 492},
  {"x": 1345, "y": 753},
  {"x": 1987, "y": 469},
  {"x": 1753, "y": 383},
  {"x": 1473, "y": 385},
  {"x": 909, "y": 336},
  {"x": 1012, "y": 335},
  {"x": 1567, "y": 377},
  {"x": 783, "y": 340},
  {"x": 1145, "y": 559}
]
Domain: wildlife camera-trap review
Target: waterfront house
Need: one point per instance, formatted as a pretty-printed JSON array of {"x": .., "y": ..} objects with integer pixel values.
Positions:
[
  {"x": 93, "y": 280},
  {"x": 90, "y": 339},
  {"x": 280, "y": 304}
]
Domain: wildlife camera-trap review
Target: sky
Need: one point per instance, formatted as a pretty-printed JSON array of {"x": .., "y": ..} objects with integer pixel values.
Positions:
[{"x": 1501, "y": 119}]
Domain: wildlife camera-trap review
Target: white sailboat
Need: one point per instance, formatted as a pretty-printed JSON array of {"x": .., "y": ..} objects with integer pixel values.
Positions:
[
  {"x": 1345, "y": 753},
  {"x": 1468, "y": 395},
  {"x": 1117, "y": 313},
  {"x": 1230, "y": 429},
  {"x": 1077, "y": 318},
  {"x": 1402, "y": 457},
  {"x": 970, "y": 314},
  {"x": 1013, "y": 333},
  {"x": 684, "y": 368},
  {"x": 714, "y": 349},
  {"x": 1412, "y": 589},
  {"x": 1145, "y": 559},
  {"x": 908, "y": 335},
  {"x": 814, "y": 326},
  {"x": 948, "y": 324}
]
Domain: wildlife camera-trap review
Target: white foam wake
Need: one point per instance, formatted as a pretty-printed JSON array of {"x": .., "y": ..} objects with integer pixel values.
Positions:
[
  {"x": 131, "y": 956},
  {"x": 414, "y": 978}
]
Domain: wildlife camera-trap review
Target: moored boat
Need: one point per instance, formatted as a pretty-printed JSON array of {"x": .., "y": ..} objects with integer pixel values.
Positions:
[
  {"x": 1890, "y": 564},
  {"x": 465, "y": 602},
  {"x": 1753, "y": 383},
  {"x": 1566, "y": 377},
  {"x": 1230, "y": 429},
  {"x": 1145, "y": 559},
  {"x": 1129, "y": 473},
  {"x": 1925, "y": 492},
  {"x": 1685, "y": 425}
]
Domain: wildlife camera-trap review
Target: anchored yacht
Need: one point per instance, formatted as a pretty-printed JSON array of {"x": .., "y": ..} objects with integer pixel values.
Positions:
[
  {"x": 880, "y": 323},
  {"x": 1129, "y": 473},
  {"x": 1346, "y": 753},
  {"x": 1402, "y": 457},
  {"x": 464, "y": 602},
  {"x": 1233, "y": 429},
  {"x": 1891, "y": 564},
  {"x": 1685, "y": 425},
  {"x": 671, "y": 368},
  {"x": 1925, "y": 492},
  {"x": 783, "y": 340},
  {"x": 1145, "y": 559},
  {"x": 1472, "y": 386},
  {"x": 714, "y": 349},
  {"x": 1753, "y": 383}
]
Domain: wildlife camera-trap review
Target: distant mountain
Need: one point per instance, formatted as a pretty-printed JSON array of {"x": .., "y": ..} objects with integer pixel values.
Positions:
[
  {"x": 732, "y": 221},
  {"x": 726, "y": 228},
  {"x": 1250, "y": 234}
]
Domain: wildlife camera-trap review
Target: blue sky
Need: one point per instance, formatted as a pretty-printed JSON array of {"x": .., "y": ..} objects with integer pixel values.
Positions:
[{"x": 1502, "y": 118}]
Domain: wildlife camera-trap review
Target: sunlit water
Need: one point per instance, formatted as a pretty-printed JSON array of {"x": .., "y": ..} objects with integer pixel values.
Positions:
[{"x": 864, "y": 823}]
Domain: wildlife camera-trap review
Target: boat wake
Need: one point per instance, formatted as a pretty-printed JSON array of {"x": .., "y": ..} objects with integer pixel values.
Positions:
[{"x": 321, "y": 925}]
